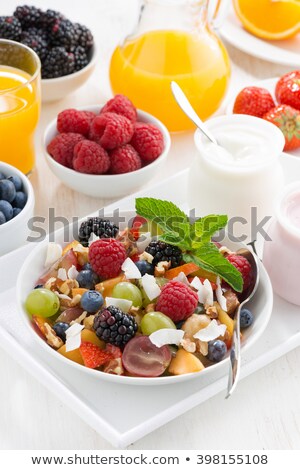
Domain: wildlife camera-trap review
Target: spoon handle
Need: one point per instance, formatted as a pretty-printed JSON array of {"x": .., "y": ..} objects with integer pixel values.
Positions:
[
  {"x": 187, "y": 108},
  {"x": 235, "y": 355}
]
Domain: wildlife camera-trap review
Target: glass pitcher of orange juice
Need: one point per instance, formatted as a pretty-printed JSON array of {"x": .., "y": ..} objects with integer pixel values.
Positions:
[
  {"x": 19, "y": 103},
  {"x": 173, "y": 41}
]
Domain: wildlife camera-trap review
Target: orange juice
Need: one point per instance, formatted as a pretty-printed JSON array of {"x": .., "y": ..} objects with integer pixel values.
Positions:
[
  {"x": 19, "y": 113},
  {"x": 144, "y": 66}
]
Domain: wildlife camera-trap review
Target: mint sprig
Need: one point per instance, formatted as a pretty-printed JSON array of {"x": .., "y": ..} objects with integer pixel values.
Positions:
[{"x": 193, "y": 239}]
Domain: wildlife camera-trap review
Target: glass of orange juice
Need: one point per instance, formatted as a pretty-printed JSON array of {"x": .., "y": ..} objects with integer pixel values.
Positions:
[
  {"x": 20, "y": 99},
  {"x": 174, "y": 40}
]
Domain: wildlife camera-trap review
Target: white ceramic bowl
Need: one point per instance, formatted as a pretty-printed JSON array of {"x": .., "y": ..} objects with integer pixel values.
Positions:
[
  {"x": 261, "y": 305},
  {"x": 55, "y": 89},
  {"x": 107, "y": 186},
  {"x": 15, "y": 232}
]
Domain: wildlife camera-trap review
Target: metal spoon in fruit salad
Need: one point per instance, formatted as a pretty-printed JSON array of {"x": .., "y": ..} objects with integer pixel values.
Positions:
[{"x": 235, "y": 352}]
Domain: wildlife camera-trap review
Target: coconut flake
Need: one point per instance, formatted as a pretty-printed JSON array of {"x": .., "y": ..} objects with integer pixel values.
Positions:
[
  {"x": 197, "y": 284},
  {"x": 123, "y": 304},
  {"x": 166, "y": 336},
  {"x": 150, "y": 286},
  {"x": 212, "y": 331},
  {"x": 62, "y": 296},
  {"x": 209, "y": 301},
  {"x": 93, "y": 238},
  {"x": 182, "y": 278},
  {"x": 62, "y": 274},
  {"x": 72, "y": 272},
  {"x": 220, "y": 297},
  {"x": 130, "y": 269},
  {"x": 73, "y": 337},
  {"x": 143, "y": 241},
  {"x": 54, "y": 253}
]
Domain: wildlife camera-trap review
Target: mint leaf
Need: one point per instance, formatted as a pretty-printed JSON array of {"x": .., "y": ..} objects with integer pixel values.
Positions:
[
  {"x": 209, "y": 258},
  {"x": 168, "y": 216},
  {"x": 203, "y": 229}
]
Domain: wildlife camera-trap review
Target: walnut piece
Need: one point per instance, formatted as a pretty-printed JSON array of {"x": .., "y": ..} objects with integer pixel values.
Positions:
[
  {"x": 146, "y": 257},
  {"x": 51, "y": 283},
  {"x": 202, "y": 347},
  {"x": 67, "y": 286},
  {"x": 225, "y": 251},
  {"x": 52, "y": 338},
  {"x": 232, "y": 301},
  {"x": 212, "y": 311},
  {"x": 114, "y": 366},
  {"x": 188, "y": 345},
  {"x": 88, "y": 322},
  {"x": 161, "y": 268}
]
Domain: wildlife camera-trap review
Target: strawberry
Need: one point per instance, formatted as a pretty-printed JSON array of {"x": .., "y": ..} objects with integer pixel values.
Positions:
[
  {"x": 93, "y": 356},
  {"x": 288, "y": 121},
  {"x": 287, "y": 90},
  {"x": 254, "y": 101}
]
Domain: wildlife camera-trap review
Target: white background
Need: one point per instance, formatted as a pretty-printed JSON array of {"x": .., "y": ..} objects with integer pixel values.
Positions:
[{"x": 264, "y": 412}]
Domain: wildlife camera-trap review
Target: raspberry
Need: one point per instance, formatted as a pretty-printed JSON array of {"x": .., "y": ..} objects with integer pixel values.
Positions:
[
  {"x": 177, "y": 301},
  {"x": 120, "y": 104},
  {"x": 71, "y": 120},
  {"x": 106, "y": 257},
  {"x": 111, "y": 130},
  {"x": 124, "y": 160},
  {"x": 90, "y": 115},
  {"x": 90, "y": 158},
  {"x": 61, "y": 148},
  {"x": 242, "y": 265},
  {"x": 148, "y": 141}
]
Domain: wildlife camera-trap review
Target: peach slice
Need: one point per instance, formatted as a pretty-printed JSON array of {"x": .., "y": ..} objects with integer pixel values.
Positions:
[
  {"x": 185, "y": 363},
  {"x": 75, "y": 355}
]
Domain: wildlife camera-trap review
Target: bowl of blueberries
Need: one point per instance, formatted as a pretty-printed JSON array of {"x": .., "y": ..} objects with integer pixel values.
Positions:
[
  {"x": 16, "y": 208},
  {"x": 66, "y": 49}
]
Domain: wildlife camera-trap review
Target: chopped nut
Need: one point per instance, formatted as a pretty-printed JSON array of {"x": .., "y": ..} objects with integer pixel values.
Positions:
[
  {"x": 232, "y": 301},
  {"x": 193, "y": 324},
  {"x": 188, "y": 345},
  {"x": 52, "y": 338},
  {"x": 75, "y": 300},
  {"x": 79, "y": 319},
  {"x": 68, "y": 285},
  {"x": 161, "y": 268},
  {"x": 225, "y": 251},
  {"x": 202, "y": 347},
  {"x": 88, "y": 322},
  {"x": 114, "y": 367},
  {"x": 212, "y": 311},
  {"x": 128, "y": 242},
  {"x": 146, "y": 257},
  {"x": 51, "y": 283}
]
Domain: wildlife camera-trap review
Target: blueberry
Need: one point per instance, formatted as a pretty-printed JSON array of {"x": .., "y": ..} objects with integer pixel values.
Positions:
[
  {"x": 91, "y": 301},
  {"x": 6, "y": 209},
  {"x": 20, "y": 200},
  {"x": 60, "y": 329},
  {"x": 87, "y": 279},
  {"x": 87, "y": 267},
  {"x": 216, "y": 350},
  {"x": 7, "y": 190},
  {"x": 2, "y": 177},
  {"x": 2, "y": 218},
  {"x": 145, "y": 267},
  {"x": 16, "y": 180},
  {"x": 16, "y": 211},
  {"x": 246, "y": 318}
]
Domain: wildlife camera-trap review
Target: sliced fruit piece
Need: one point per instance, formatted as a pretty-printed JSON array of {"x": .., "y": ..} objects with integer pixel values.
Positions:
[
  {"x": 226, "y": 320},
  {"x": 185, "y": 363},
  {"x": 269, "y": 19},
  {"x": 143, "y": 359},
  {"x": 187, "y": 269},
  {"x": 39, "y": 325},
  {"x": 91, "y": 337},
  {"x": 78, "y": 291},
  {"x": 70, "y": 314},
  {"x": 68, "y": 260},
  {"x": 70, "y": 246},
  {"x": 106, "y": 287},
  {"x": 75, "y": 355},
  {"x": 203, "y": 274},
  {"x": 93, "y": 356}
]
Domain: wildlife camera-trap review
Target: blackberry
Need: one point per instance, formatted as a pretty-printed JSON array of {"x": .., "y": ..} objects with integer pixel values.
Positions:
[
  {"x": 114, "y": 326},
  {"x": 10, "y": 28},
  {"x": 162, "y": 251},
  {"x": 63, "y": 33},
  {"x": 34, "y": 31},
  {"x": 81, "y": 58},
  {"x": 37, "y": 43},
  {"x": 28, "y": 15},
  {"x": 85, "y": 37},
  {"x": 50, "y": 17},
  {"x": 58, "y": 63},
  {"x": 100, "y": 227}
]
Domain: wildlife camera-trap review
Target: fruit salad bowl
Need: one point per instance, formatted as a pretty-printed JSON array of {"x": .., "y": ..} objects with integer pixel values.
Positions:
[
  {"x": 31, "y": 274},
  {"x": 107, "y": 185}
]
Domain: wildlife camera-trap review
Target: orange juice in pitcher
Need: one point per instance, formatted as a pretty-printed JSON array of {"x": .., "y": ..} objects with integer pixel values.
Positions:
[{"x": 173, "y": 41}]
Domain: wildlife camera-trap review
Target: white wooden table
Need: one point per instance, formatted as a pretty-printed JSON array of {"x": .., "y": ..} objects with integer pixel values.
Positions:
[{"x": 264, "y": 412}]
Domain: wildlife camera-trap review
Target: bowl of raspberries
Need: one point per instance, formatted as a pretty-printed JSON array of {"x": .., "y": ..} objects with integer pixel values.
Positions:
[
  {"x": 106, "y": 151},
  {"x": 66, "y": 49}
]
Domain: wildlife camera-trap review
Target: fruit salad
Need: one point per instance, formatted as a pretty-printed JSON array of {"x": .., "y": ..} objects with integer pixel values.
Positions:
[
  {"x": 112, "y": 141},
  {"x": 155, "y": 299}
]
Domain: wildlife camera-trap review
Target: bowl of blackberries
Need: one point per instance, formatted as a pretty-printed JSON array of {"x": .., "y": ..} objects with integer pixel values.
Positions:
[
  {"x": 66, "y": 49},
  {"x": 16, "y": 208}
]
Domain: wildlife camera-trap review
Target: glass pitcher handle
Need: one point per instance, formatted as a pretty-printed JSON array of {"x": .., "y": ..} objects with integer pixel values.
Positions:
[{"x": 217, "y": 12}]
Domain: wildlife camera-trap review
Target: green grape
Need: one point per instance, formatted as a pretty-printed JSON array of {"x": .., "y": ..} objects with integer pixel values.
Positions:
[
  {"x": 42, "y": 302},
  {"x": 126, "y": 290},
  {"x": 154, "y": 321}
]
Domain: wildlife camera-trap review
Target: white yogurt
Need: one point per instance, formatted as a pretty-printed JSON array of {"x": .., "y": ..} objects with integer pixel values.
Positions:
[{"x": 240, "y": 173}]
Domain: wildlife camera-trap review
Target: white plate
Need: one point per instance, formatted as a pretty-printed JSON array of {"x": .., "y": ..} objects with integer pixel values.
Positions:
[
  {"x": 269, "y": 84},
  {"x": 33, "y": 267},
  {"x": 285, "y": 52}
]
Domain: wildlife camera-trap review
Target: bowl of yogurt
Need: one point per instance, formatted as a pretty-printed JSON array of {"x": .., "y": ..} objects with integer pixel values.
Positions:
[
  {"x": 241, "y": 176},
  {"x": 281, "y": 254}
]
